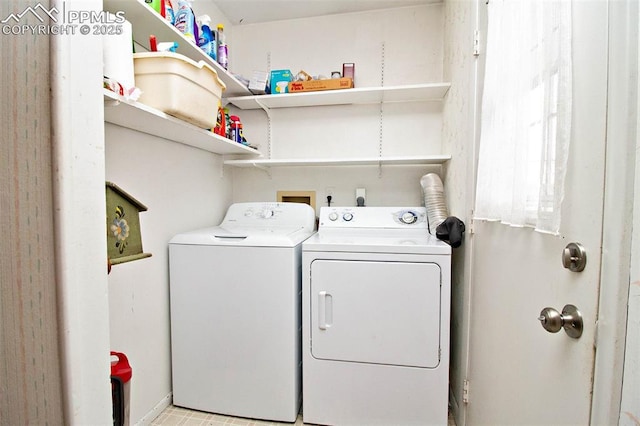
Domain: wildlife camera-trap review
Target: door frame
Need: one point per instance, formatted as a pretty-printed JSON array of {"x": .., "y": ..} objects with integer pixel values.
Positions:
[{"x": 618, "y": 211}]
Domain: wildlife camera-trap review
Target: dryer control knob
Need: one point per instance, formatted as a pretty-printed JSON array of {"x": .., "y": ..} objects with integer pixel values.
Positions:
[
  {"x": 267, "y": 213},
  {"x": 347, "y": 217},
  {"x": 333, "y": 216},
  {"x": 408, "y": 218}
]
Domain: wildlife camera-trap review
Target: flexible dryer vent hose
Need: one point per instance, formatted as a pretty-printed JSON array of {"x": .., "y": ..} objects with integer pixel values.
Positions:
[{"x": 433, "y": 191}]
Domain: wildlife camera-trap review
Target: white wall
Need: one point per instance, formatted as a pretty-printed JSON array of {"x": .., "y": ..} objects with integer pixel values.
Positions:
[
  {"x": 413, "y": 48},
  {"x": 319, "y": 45},
  {"x": 616, "y": 265},
  {"x": 630, "y": 409},
  {"x": 184, "y": 188},
  {"x": 398, "y": 186}
]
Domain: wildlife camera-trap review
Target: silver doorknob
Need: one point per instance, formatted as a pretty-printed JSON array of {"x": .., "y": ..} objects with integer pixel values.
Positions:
[
  {"x": 570, "y": 319},
  {"x": 574, "y": 257}
]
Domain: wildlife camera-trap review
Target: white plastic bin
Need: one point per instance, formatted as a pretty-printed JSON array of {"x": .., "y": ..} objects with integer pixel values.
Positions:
[{"x": 179, "y": 86}]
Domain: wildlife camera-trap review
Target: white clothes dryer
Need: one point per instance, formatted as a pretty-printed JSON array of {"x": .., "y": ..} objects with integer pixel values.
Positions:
[
  {"x": 376, "y": 306},
  {"x": 236, "y": 312}
]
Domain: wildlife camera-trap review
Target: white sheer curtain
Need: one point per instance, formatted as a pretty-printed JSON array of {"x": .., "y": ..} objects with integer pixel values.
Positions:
[{"x": 526, "y": 113}]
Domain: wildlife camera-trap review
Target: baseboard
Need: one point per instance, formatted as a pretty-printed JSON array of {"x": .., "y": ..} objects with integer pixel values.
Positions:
[{"x": 155, "y": 411}]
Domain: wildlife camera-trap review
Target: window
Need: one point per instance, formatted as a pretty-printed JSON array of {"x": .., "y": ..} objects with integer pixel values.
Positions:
[{"x": 526, "y": 113}]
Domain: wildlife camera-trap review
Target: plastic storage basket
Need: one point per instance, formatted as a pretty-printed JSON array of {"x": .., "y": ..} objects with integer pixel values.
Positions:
[{"x": 179, "y": 86}]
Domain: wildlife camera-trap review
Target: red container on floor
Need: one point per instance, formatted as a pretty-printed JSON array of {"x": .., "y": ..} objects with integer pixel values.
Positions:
[{"x": 120, "y": 388}]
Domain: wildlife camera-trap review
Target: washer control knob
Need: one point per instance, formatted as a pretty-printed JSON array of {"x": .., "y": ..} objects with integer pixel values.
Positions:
[
  {"x": 347, "y": 217},
  {"x": 333, "y": 216},
  {"x": 408, "y": 218}
]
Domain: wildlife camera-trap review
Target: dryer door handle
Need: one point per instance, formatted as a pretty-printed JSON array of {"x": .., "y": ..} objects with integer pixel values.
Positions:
[{"x": 325, "y": 313}]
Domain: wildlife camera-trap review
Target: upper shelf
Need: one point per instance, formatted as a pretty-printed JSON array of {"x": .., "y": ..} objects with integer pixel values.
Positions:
[
  {"x": 143, "y": 118},
  {"x": 145, "y": 21},
  {"x": 363, "y": 161},
  {"x": 360, "y": 95}
]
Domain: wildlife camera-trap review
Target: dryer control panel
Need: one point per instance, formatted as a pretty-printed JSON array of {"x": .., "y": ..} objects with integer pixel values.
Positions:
[{"x": 373, "y": 217}]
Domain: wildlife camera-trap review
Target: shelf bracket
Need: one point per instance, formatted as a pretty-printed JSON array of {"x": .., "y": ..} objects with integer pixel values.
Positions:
[
  {"x": 267, "y": 110},
  {"x": 224, "y": 158},
  {"x": 267, "y": 170}
]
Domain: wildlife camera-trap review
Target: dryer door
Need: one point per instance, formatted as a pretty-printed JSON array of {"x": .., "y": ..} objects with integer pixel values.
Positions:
[{"x": 376, "y": 312}]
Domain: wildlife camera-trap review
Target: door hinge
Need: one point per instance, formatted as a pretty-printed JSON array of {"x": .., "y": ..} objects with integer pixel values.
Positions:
[
  {"x": 465, "y": 391},
  {"x": 476, "y": 43}
]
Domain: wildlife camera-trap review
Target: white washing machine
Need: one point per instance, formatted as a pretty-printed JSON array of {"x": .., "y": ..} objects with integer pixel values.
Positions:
[
  {"x": 236, "y": 312},
  {"x": 375, "y": 328}
]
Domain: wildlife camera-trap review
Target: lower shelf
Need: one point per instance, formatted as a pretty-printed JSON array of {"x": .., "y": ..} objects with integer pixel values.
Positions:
[
  {"x": 372, "y": 161},
  {"x": 145, "y": 119}
]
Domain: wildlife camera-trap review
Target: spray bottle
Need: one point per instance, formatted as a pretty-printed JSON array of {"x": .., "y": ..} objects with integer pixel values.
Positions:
[{"x": 207, "y": 41}]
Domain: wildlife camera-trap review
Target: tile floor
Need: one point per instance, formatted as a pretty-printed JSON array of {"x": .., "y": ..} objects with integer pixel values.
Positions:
[{"x": 174, "y": 416}]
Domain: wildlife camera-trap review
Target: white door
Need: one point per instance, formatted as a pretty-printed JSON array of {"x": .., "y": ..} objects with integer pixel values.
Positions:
[{"x": 518, "y": 372}]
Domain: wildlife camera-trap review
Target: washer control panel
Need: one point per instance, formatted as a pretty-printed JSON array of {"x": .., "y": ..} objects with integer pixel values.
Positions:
[
  {"x": 373, "y": 217},
  {"x": 262, "y": 211},
  {"x": 270, "y": 214}
]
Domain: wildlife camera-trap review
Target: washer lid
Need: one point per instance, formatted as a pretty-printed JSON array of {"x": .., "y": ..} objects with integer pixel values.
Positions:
[
  {"x": 256, "y": 225},
  {"x": 377, "y": 241},
  {"x": 245, "y": 237}
]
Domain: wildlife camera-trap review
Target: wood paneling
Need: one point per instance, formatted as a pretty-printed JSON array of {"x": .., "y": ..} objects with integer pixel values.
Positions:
[{"x": 30, "y": 373}]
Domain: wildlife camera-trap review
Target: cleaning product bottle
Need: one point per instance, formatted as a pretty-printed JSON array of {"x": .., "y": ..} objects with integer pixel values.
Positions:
[
  {"x": 206, "y": 42},
  {"x": 220, "y": 127},
  {"x": 169, "y": 14},
  {"x": 186, "y": 22},
  {"x": 227, "y": 123},
  {"x": 155, "y": 5},
  {"x": 223, "y": 51},
  {"x": 235, "y": 128}
]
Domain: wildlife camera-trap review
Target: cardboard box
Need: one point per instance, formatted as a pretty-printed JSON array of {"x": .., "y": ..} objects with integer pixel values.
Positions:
[
  {"x": 316, "y": 85},
  {"x": 280, "y": 81},
  {"x": 258, "y": 82}
]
